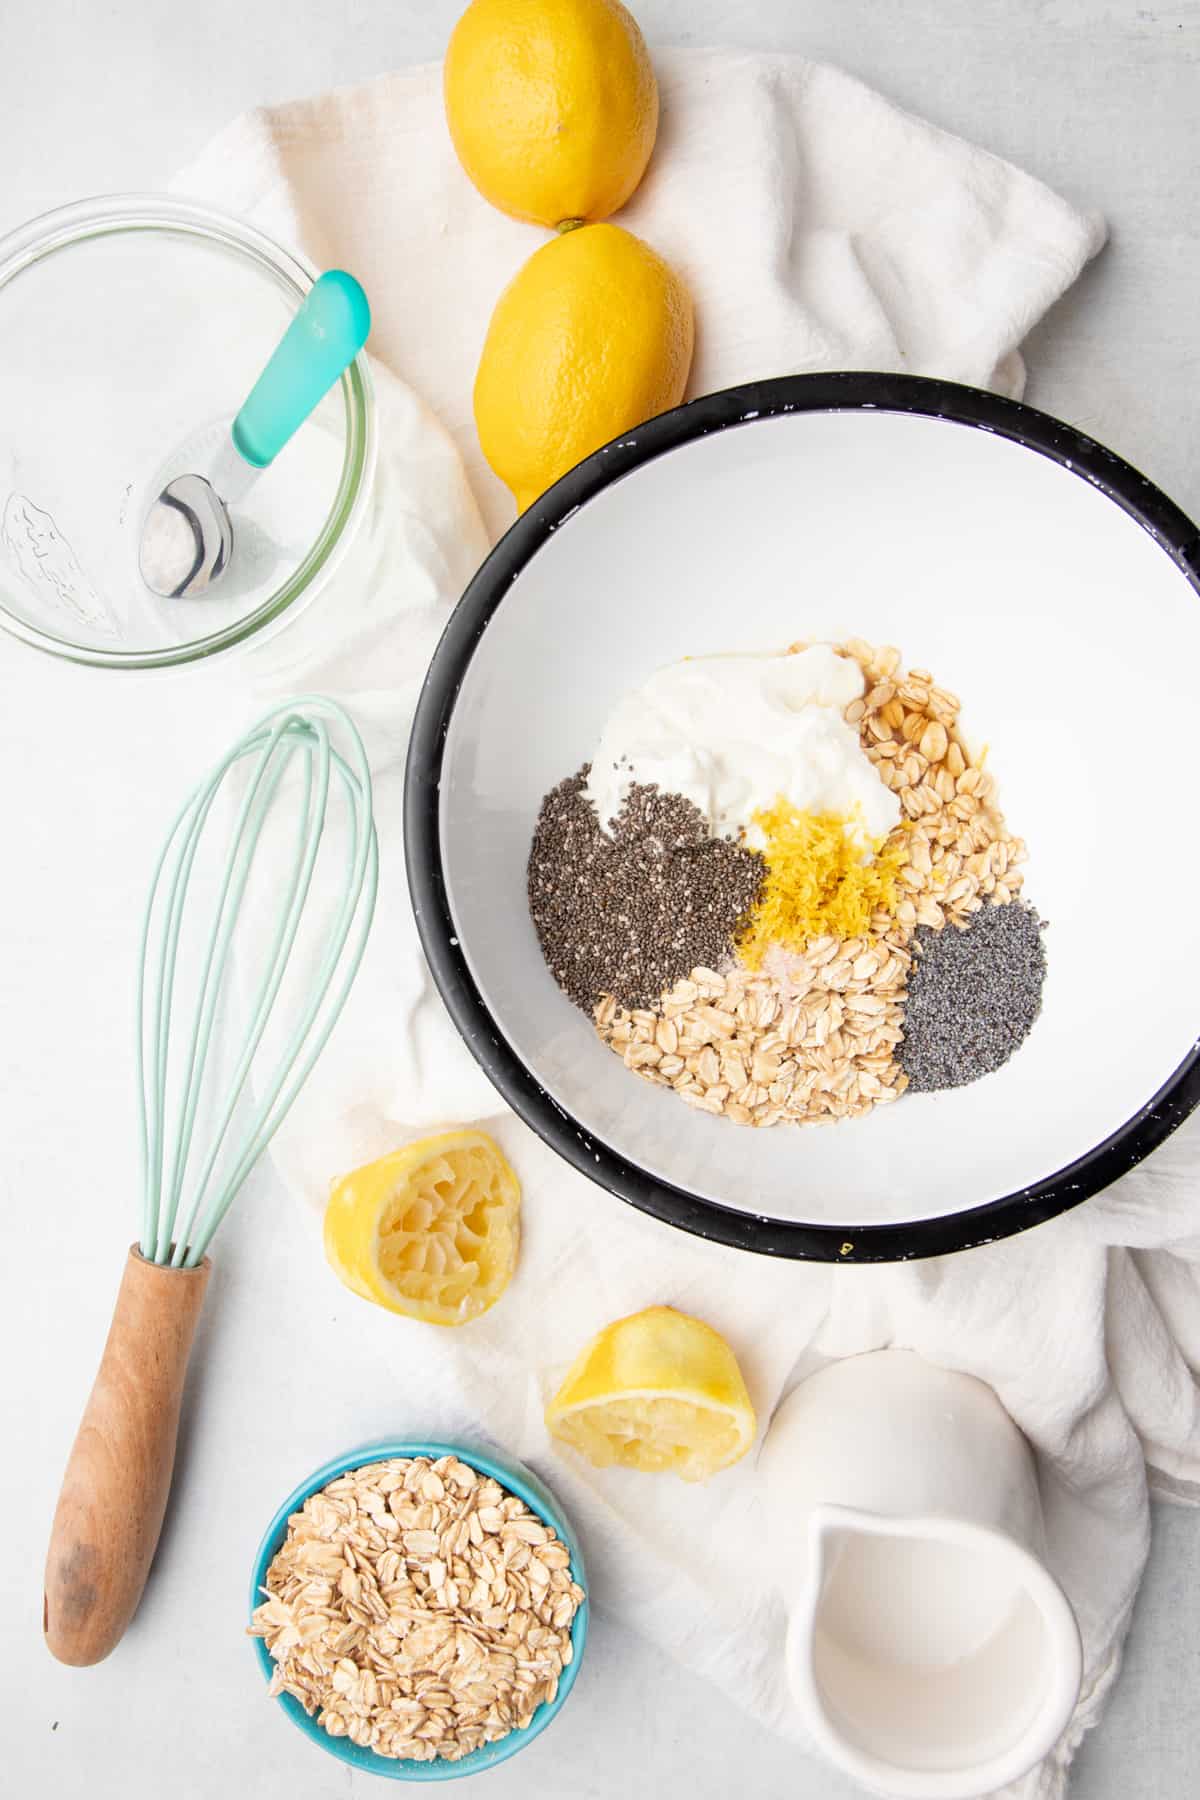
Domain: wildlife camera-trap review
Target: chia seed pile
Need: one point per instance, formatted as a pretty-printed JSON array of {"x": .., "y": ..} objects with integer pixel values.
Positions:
[
  {"x": 972, "y": 997},
  {"x": 628, "y": 915}
]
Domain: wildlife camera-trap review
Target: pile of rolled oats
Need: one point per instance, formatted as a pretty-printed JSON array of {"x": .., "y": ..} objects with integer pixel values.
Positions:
[
  {"x": 817, "y": 1044},
  {"x": 418, "y": 1609},
  {"x": 812, "y": 1037},
  {"x": 959, "y": 850}
]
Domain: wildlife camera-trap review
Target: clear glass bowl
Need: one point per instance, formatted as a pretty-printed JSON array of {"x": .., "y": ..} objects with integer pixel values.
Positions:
[{"x": 132, "y": 327}]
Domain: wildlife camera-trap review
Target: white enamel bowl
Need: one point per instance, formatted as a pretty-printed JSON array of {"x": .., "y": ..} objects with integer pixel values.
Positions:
[{"x": 1038, "y": 577}]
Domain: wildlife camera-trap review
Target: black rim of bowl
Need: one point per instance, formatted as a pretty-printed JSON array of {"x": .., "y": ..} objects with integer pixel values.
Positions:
[{"x": 741, "y": 1229}]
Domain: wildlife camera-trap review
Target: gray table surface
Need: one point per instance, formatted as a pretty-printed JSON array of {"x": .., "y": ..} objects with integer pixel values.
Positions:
[{"x": 1098, "y": 97}]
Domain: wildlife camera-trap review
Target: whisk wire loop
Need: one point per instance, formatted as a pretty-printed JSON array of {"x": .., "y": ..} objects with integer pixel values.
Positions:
[
  {"x": 153, "y": 1115},
  {"x": 248, "y": 828},
  {"x": 173, "y": 1229},
  {"x": 267, "y": 1121},
  {"x": 288, "y": 916}
]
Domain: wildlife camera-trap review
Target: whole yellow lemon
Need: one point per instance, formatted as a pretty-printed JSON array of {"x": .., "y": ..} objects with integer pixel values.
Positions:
[
  {"x": 552, "y": 105},
  {"x": 590, "y": 338}
]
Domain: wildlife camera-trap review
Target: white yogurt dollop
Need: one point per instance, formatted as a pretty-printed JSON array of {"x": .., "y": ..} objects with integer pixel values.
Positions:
[{"x": 733, "y": 733}]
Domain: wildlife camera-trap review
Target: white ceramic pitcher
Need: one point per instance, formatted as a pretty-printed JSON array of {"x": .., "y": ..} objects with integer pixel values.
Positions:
[{"x": 931, "y": 1651}]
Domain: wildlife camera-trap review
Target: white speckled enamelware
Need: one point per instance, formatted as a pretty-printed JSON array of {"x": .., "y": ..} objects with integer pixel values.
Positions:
[{"x": 1038, "y": 577}]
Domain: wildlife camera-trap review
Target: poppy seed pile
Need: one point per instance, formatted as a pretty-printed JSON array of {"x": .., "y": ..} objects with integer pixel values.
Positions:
[{"x": 972, "y": 997}]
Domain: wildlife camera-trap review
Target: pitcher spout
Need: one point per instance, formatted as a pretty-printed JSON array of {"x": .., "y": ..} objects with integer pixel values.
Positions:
[
  {"x": 933, "y": 1659},
  {"x": 930, "y": 1650}
]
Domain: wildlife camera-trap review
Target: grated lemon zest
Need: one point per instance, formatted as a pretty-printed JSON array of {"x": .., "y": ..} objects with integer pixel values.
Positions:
[{"x": 817, "y": 883}]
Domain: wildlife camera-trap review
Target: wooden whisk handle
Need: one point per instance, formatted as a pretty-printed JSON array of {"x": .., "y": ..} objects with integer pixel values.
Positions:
[{"x": 114, "y": 1493}]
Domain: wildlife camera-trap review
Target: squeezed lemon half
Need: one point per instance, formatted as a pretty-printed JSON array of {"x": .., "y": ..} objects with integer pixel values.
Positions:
[
  {"x": 657, "y": 1391},
  {"x": 431, "y": 1231}
]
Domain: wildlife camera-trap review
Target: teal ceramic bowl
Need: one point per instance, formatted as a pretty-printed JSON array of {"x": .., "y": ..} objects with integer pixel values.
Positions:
[{"x": 519, "y": 1481}]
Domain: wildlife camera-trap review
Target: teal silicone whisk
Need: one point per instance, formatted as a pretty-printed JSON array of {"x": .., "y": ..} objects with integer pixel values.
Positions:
[{"x": 198, "y": 1146}]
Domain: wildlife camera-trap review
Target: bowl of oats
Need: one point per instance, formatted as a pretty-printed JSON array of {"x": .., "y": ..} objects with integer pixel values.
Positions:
[
  {"x": 420, "y": 1611},
  {"x": 771, "y": 815}
]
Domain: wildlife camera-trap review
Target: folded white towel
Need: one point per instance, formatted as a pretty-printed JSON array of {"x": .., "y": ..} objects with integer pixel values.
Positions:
[{"x": 818, "y": 227}]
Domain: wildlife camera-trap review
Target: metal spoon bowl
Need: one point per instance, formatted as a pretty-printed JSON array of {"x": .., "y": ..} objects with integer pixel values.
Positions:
[{"x": 187, "y": 539}]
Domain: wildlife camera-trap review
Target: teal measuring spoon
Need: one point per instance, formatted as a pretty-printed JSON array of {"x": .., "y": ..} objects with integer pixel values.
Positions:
[{"x": 187, "y": 536}]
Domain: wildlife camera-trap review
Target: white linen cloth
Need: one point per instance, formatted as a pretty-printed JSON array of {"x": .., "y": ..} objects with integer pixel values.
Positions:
[{"x": 817, "y": 227}]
